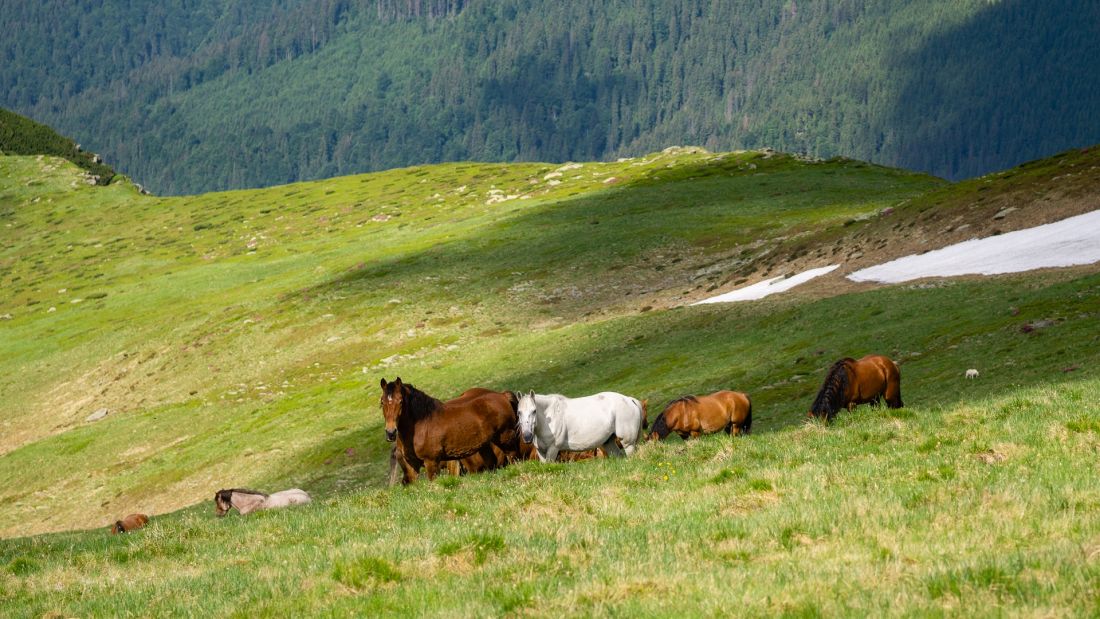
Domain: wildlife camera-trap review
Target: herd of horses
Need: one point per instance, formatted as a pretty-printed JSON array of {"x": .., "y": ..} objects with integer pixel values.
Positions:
[{"x": 484, "y": 429}]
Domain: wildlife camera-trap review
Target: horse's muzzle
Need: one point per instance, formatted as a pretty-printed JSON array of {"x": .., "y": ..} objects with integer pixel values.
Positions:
[
  {"x": 529, "y": 437},
  {"x": 391, "y": 435}
]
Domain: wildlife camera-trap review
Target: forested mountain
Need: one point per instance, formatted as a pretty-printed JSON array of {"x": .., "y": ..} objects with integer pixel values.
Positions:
[{"x": 209, "y": 94}]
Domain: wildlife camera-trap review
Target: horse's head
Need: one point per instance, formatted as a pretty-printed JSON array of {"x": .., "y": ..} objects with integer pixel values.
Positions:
[
  {"x": 393, "y": 397},
  {"x": 526, "y": 412},
  {"x": 118, "y": 527},
  {"x": 223, "y": 502}
]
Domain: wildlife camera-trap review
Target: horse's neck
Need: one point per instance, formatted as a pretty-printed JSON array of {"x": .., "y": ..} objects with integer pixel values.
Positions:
[
  {"x": 420, "y": 406},
  {"x": 246, "y": 503},
  {"x": 550, "y": 409}
]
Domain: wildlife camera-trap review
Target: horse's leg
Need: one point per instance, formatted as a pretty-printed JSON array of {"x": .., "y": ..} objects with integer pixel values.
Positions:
[
  {"x": 611, "y": 447},
  {"x": 431, "y": 468},
  {"x": 411, "y": 469},
  {"x": 551, "y": 454},
  {"x": 893, "y": 394}
]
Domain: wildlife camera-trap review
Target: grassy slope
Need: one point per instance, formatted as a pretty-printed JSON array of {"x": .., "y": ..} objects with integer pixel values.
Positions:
[{"x": 225, "y": 365}]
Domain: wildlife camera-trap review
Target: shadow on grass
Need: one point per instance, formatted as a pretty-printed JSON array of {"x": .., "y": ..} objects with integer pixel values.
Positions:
[{"x": 649, "y": 235}]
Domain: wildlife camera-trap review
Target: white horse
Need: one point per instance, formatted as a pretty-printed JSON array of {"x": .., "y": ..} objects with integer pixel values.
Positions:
[
  {"x": 972, "y": 373},
  {"x": 248, "y": 501},
  {"x": 556, "y": 423}
]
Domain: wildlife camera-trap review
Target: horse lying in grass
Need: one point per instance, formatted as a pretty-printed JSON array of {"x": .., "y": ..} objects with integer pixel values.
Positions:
[
  {"x": 850, "y": 383},
  {"x": 555, "y": 423},
  {"x": 480, "y": 427},
  {"x": 692, "y": 416},
  {"x": 247, "y": 501},
  {"x": 133, "y": 522}
]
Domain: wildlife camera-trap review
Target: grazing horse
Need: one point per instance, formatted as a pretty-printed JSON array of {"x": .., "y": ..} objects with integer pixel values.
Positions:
[
  {"x": 554, "y": 423},
  {"x": 692, "y": 415},
  {"x": 248, "y": 501},
  {"x": 850, "y": 383},
  {"x": 432, "y": 432},
  {"x": 133, "y": 522}
]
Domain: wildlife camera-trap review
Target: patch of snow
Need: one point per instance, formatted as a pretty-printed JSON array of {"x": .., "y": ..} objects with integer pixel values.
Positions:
[
  {"x": 1069, "y": 242},
  {"x": 768, "y": 287}
]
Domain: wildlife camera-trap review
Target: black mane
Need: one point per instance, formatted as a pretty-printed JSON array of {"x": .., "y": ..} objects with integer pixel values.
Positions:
[
  {"x": 829, "y": 398},
  {"x": 417, "y": 403},
  {"x": 660, "y": 426},
  {"x": 227, "y": 495}
]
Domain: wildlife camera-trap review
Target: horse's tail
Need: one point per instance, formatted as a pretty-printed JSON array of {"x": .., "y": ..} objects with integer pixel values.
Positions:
[
  {"x": 893, "y": 391},
  {"x": 645, "y": 414},
  {"x": 828, "y": 400}
]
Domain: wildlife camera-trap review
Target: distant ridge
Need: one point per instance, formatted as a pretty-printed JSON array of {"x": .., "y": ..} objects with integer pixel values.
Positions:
[{"x": 20, "y": 135}]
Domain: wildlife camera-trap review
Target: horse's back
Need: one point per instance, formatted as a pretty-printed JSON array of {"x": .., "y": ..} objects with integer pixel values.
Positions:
[{"x": 294, "y": 496}]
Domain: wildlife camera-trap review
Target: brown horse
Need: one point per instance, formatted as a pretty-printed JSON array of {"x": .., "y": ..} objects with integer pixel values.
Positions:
[
  {"x": 432, "y": 432},
  {"x": 133, "y": 522},
  {"x": 472, "y": 464},
  {"x": 692, "y": 416},
  {"x": 851, "y": 382}
]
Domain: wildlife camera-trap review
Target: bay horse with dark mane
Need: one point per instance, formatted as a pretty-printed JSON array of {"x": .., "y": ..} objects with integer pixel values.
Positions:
[
  {"x": 478, "y": 427},
  {"x": 692, "y": 415},
  {"x": 852, "y": 382}
]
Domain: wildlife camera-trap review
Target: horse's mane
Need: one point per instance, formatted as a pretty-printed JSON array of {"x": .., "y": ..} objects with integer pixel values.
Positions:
[
  {"x": 418, "y": 404},
  {"x": 828, "y": 400},
  {"x": 660, "y": 426},
  {"x": 227, "y": 493},
  {"x": 683, "y": 398}
]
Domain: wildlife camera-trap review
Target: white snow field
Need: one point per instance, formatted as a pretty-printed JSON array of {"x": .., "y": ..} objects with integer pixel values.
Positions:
[
  {"x": 1069, "y": 242},
  {"x": 767, "y": 287}
]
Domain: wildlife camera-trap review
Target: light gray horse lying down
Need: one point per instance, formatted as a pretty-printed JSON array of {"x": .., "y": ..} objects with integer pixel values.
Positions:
[{"x": 248, "y": 501}]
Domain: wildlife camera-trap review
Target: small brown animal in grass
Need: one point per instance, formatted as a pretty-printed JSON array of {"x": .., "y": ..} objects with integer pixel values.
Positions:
[
  {"x": 692, "y": 416},
  {"x": 133, "y": 522},
  {"x": 850, "y": 383}
]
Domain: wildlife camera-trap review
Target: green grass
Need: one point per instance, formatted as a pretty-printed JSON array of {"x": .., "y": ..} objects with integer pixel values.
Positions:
[
  {"x": 857, "y": 518},
  {"x": 237, "y": 340}
]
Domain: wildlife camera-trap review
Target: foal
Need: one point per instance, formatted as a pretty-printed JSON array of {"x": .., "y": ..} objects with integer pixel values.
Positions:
[
  {"x": 133, "y": 522},
  {"x": 248, "y": 501}
]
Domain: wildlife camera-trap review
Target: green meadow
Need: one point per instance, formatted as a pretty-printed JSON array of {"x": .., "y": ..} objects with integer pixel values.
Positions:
[{"x": 237, "y": 339}]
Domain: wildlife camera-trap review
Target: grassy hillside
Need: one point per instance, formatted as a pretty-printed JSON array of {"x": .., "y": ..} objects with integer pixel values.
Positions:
[
  {"x": 248, "y": 93},
  {"x": 236, "y": 339}
]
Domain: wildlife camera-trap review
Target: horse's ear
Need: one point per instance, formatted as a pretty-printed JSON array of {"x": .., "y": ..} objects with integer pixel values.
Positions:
[
  {"x": 531, "y": 394},
  {"x": 383, "y": 383},
  {"x": 397, "y": 381}
]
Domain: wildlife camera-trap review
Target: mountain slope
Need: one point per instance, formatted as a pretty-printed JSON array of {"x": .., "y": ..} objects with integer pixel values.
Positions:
[
  {"x": 236, "y": 339},
  {"x": 240, "y": 94}
]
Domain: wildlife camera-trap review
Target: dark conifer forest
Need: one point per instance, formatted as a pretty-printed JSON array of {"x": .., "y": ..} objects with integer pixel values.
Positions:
[{"x": 203, "y": 94}]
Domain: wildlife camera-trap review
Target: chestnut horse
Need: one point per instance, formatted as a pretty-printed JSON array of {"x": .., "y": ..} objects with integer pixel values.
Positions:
[
  {"x": 693, "y": 415},
  {"x": 473, "y": 464},
  {"x": 133, "y": 522},
  {"x": 851, "y": 382},
  {"x": 432, "y": 432}
]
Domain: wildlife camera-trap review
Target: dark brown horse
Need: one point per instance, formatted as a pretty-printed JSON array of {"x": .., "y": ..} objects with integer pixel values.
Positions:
[
  {"x": 481, "y": 424},
  {"x": 850, "y": 383},
  {"x": 133, "y": 522},
  {"x": 694, "y": 415}
]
